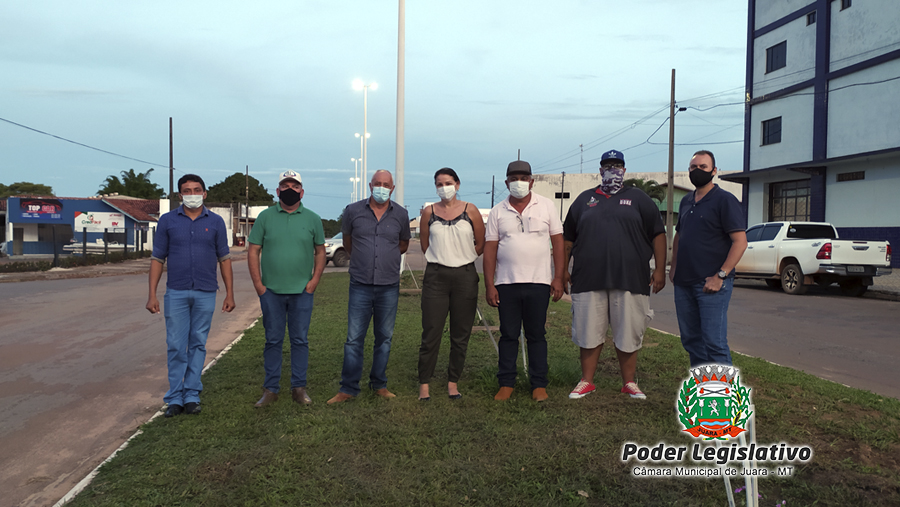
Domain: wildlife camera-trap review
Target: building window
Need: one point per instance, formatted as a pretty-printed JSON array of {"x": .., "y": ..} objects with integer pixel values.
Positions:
[
  {"x": 811, "y": 18},
  {"x": 771, "y": 131},
  {"x": 856, "y": 175},
  {"x": 789, "y": 201},
  {"x": 845, "y": 4},
  {"x": 776, "y": 57}
]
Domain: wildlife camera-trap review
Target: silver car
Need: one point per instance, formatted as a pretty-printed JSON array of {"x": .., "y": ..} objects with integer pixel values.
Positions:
[{"x": 335, "y": 252}]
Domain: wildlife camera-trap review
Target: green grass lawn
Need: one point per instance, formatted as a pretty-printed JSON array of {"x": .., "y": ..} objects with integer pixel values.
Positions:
[{"x": 476, "y": 451}]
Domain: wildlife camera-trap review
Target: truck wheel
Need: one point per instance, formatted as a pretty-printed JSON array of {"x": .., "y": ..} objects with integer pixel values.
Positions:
[
  {"x": 792, "y": 280},
  {"x": 853, "y": 288},
  {"x": 341, "y": 259},
  {"x": 774, "y": 284}
]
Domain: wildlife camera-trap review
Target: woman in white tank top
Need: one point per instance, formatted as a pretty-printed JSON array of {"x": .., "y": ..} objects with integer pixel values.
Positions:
[{"x": 452, "y": 237}]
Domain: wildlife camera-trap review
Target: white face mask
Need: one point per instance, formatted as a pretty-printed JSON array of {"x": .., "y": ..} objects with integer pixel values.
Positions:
[
  {"x": 519, "y": 189},
  {"x": 192, "y": 201},
  {"x": 446, "y": 192}
]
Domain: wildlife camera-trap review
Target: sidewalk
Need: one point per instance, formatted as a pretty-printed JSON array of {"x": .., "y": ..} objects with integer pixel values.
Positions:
[
  {"x": 889, "y": 284},
  {"x": 130, "y": 267}
]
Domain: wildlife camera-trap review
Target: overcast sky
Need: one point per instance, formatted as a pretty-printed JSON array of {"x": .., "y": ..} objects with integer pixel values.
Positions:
[{"x": 268, "y": 84}]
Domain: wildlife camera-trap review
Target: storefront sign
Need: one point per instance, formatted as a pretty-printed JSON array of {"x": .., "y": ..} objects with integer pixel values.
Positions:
[
  {"x": 41, "y": 208},
  {"x": 96, "y": 221}
]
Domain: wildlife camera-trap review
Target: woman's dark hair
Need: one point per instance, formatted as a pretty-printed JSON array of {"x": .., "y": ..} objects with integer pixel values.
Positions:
[{"x": 448, "y": 172}]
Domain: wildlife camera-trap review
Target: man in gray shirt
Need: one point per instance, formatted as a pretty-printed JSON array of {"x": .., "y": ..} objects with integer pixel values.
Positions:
[{"x": 376, "y": 233}]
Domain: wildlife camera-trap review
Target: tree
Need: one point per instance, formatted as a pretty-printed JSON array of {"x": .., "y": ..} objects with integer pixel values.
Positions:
[
  {"x": 132, "y": 184},
  {"x": 24, "y": 188},
  {"x": 650, "y": 187},
  {"x": 233, "y": 189},
  {"x": 331, "y": 227}
]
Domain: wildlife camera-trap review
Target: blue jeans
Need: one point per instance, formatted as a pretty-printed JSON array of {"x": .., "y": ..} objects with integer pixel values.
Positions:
[
  {"x": 703, "y": 321},
  {"x": 365, "y": 302},
  {"x": 295, "y": 310},
  {"x": 188, "y": 315},
  {"x": 523, "y": 305}
]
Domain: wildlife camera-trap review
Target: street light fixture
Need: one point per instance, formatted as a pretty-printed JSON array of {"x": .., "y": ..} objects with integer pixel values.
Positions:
[
  {"x": 359, "y": 84},
  {"x": 354, "y": 182},
  {"x": 355, "y": 178},
  {"x": 362, "y": 177}
]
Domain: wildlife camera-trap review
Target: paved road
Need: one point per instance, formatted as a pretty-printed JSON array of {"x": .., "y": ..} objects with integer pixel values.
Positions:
[
  {"x": 82, "y": 365},
  {"x": 853, "y": 341}
]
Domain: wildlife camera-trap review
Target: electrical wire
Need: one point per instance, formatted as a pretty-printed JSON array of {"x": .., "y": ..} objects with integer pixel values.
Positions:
[{"x": 80, "y": 144}]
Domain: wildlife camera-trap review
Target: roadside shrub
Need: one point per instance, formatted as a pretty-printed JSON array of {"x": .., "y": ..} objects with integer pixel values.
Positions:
[{"x": 70, "y": 261}]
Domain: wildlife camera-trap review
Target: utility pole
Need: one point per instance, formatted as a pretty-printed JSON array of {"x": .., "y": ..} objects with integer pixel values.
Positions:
[
  {"x": 492, "y": 190},
  {"x": 401, "y": 49},
  {"x": 670, "y": 191},
  {"x": 246, "y": 204},
  {"x": 171, "y": 170},
  {"x": 581, "y": 164}
]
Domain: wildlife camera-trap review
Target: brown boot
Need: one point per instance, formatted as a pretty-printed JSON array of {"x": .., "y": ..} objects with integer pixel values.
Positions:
[
  {"x": 503, "y": 394},
  {"x": 340, "y": 398},
  {"x": 539, "y": 394},
  {"x": 268, "y": 398},
  {"x": 298, "y": 394},
  {"x": 384, "y": 393}
]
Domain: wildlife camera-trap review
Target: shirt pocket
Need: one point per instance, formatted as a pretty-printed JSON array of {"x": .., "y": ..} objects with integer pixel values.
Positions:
[{"x": 538, "y": 225}]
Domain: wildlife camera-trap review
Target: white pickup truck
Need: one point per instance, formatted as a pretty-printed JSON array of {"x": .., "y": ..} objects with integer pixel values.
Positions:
[{"x": 794, "y": 255}]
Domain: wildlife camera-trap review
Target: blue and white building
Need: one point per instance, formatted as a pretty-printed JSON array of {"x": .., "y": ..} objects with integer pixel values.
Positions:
[{"x": 822, "y": 115}]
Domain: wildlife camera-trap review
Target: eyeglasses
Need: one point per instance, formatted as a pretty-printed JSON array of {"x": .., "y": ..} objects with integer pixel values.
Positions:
[
  {"x": 613, "y": 166},
  {"x": 521, "y": 225}
]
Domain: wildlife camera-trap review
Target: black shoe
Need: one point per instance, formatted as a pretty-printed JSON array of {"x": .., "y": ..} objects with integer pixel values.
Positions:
[
  {"x": 174, "y": 410},
  {"x": 455, "y": 396},
  {"x": 427, "y": 398},
  {"x": 192, "y": 408}
]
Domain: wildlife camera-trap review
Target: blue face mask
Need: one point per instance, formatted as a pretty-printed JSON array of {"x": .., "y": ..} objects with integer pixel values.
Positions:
[{"x": 381, "y": 194}]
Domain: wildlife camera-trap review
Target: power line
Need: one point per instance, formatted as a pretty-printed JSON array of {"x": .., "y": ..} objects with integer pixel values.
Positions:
[{"x": 81, "y": 144}]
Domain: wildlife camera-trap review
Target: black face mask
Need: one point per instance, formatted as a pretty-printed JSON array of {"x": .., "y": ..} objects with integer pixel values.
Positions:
[
  {"x": 700, "y": 178},
  {"x": 289, "y": 196}
]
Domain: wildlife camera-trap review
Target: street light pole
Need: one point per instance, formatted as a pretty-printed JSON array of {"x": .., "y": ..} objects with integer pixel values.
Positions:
[
  {"x": 355, "y": 178},
  {"x": 361, "y": 177},
  {"x": 360, "y": 85}
]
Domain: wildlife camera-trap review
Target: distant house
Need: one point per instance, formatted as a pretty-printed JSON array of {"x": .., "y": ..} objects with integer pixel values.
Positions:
[
  {"x": 40, "y": 225},
  {"x": 562, "y": 189},
  {"x": 822, "y": 120}
]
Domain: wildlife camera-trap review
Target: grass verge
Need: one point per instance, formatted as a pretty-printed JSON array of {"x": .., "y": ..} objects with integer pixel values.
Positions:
[{"x": 476, "y": 451}]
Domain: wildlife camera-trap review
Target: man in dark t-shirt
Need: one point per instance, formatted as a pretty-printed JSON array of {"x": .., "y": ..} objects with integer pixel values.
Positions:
[
  {"x": 708, "y": 244},
  {"x": 612, "y": 231}
]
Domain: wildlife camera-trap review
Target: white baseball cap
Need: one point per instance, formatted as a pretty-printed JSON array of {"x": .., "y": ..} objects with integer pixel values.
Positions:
[{"x": 289, "y": 175}]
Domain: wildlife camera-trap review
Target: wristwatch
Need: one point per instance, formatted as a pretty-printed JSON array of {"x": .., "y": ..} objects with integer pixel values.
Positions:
[{"x": 722, "y": 274}]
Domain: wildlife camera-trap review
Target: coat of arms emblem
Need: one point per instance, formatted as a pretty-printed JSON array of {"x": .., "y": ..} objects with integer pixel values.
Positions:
[{"x": 712, "y": 404}]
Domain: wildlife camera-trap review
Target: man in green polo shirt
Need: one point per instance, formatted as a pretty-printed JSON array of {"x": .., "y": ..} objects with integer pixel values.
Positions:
[{"x": 286, "y": 258}]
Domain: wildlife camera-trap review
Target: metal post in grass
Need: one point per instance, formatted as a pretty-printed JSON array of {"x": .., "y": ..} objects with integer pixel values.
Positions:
[
  {"x": 55, "y": 246},
  {"x": 729, "y": 493},
  {"x": 84, "y": 243},
  {"x": 105, "y": 245},
  {"x": 522, "y": 340},
  {"x": 487, "y": 328}
]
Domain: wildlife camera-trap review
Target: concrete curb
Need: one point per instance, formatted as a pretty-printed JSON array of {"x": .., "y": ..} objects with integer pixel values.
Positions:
[{"x": 78, "y": 488}]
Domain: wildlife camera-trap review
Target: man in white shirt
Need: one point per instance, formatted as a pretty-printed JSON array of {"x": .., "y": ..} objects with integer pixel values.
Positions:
[{"x": 518, "y": 276}]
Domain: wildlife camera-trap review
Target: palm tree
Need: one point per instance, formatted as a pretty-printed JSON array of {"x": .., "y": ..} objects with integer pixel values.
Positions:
[
  {"x": 650, "y": 187},
  {"x": 132, "y": 184}
]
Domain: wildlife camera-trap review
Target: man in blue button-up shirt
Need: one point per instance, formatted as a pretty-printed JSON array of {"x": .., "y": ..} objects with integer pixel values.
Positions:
[
  {"x": 376, "y": 234},
  {"x": 194, "y": 240}
]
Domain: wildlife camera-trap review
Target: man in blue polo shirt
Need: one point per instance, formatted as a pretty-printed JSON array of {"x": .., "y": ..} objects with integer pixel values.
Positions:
[
  {"x": 194, "y": 240},
  {"x": 376, "y": 233},
  {"x": 708, "y": 244}
]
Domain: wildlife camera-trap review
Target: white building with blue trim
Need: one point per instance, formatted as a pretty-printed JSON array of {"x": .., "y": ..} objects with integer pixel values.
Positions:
[{"x": 822, "y": 115}]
